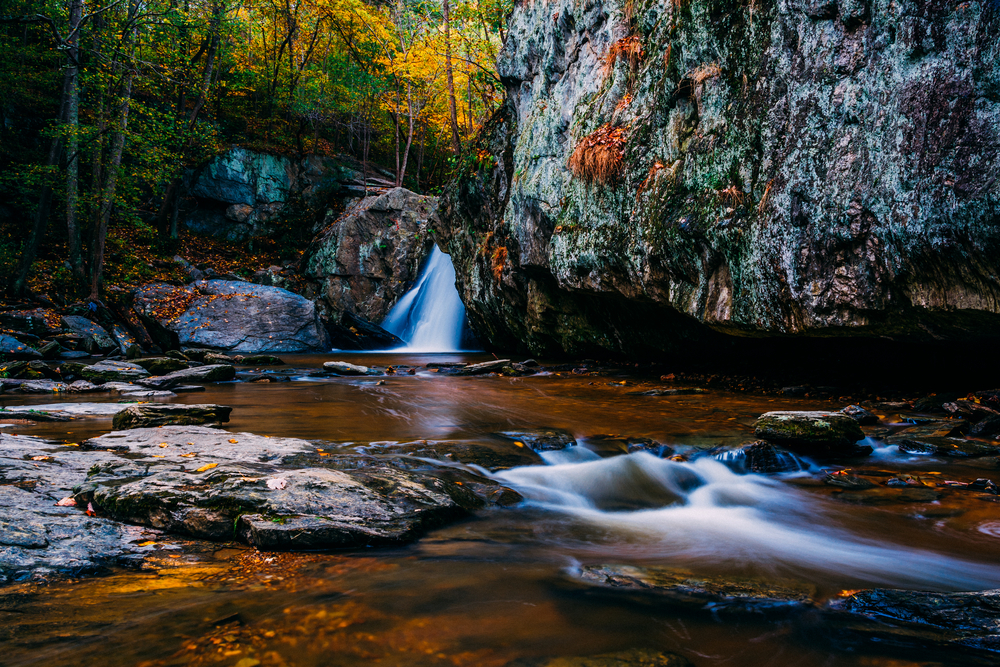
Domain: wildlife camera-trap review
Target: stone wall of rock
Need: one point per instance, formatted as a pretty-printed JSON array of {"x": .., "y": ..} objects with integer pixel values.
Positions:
[
  {"x": 240, "y": 193},
  {"x": 787, "y": 168}
]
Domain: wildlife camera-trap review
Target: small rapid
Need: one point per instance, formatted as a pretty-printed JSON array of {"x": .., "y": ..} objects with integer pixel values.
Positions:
[
  {"x": 691, "y": 513},
  {"x": 431, "y": 316}
]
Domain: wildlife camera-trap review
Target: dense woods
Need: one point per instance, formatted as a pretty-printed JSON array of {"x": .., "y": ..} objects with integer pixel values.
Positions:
[{"x": 105, "y": 104}]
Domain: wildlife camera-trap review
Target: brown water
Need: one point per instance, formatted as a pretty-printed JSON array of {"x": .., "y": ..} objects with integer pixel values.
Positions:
[{"x": 494, "y": 588}]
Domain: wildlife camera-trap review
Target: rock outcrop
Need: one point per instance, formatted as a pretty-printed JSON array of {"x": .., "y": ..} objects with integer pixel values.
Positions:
[
  {"x": 368, "y": 257},
  {"x": 242, "y": 193},
  {"x": 763, "y": 169}
]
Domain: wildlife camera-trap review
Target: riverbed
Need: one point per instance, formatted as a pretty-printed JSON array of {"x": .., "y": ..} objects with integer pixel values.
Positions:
[{"x": 500, "y": 587}]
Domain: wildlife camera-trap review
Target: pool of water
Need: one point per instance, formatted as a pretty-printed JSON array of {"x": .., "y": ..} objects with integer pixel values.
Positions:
[{"x": 497, "y": 588}]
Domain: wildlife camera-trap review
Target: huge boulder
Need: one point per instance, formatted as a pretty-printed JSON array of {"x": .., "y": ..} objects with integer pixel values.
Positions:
[
  {"x": 235, "y": 316},
  {"x": 364, "y": 260},
  {"x": 817, "y": 170}
]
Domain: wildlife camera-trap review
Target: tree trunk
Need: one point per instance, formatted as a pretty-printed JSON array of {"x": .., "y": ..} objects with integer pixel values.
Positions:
[
  {"x": 73, "y": 137},
  {"x": 30, "y": 249},
  {"x": 114, "y": 159},
  {"x": 456, "y": 141}
]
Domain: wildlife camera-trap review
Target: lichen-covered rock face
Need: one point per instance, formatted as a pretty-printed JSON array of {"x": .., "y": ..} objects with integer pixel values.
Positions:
[
  {"x": 234, "y": 316},
  {"x": 364, "y": 260},
  {"x": 788, "y": 168}
]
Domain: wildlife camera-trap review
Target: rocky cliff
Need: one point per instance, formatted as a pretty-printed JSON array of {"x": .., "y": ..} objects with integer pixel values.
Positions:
[{"x": 666, "y": 172}]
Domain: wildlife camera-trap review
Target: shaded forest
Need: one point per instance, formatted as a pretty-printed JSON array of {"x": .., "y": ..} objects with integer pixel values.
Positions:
[{"x": 105, "y": 105}]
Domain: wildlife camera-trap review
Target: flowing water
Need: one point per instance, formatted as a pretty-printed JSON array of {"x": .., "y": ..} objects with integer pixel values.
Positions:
[
  {"x": 498, "y": 587},
  {"x": 431, "y": 316}
]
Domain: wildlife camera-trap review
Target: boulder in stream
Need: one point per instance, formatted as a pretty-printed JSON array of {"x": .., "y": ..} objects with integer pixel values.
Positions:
[
  {"x": 345, "y": 368},
  {"x": 139, "y": 416},
  {"x": 160, "y": 365},
  {"x": 760, "y": 457},
  {"x": 820, "y": 434},
  {"x": 114, "y": 371},
  {"x": 211, "y": 373}
]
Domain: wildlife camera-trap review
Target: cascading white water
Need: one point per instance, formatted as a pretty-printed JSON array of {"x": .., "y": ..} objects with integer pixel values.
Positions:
[
  {"x": 430, "y": 316},
  {"x": 690, "y": 513}
]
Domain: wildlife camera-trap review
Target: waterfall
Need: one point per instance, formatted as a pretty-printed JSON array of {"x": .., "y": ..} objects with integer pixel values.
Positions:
[{"x": 431, "y": 316}]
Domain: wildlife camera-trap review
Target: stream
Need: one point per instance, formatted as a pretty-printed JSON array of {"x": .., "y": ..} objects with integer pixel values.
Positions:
[{"x": 498, "y": 588}]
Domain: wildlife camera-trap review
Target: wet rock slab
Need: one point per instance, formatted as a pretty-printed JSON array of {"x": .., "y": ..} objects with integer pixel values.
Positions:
[
  {"x": 275, "y": 493},
  {"x": 38, "y": 537},
  {"x": 492, "y": 457},
  {"x": 630, "y": 658},
  {"x": 715, "y": 594}
]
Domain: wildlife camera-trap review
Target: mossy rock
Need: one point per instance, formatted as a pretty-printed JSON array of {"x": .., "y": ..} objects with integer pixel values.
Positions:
[
  {"x": 113, "y": 371},
  {"x": 823, "y": 434}
]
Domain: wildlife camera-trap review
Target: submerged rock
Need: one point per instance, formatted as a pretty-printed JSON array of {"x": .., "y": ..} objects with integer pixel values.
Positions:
[
  {"x": 716, "y": 594},
  {"x": 542, "y": 439},
  {"x": 140, "y": 416},
  {"x": 946, "y": 447},
  {"x": 760, "y": 457},
  {"x": 821, "y": 434},
  {"x": 491, "y": 456},
  {"x": 921, "y": 618},
  {"x": 632, "y": 658}
]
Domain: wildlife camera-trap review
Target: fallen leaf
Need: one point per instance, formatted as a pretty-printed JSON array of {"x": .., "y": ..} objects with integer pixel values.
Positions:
[
  {"x": 207, "y": 466},
  {"x": 90, "y": 510},
  {"x": 163, "y": 444},
  {"x": 276, "y": 483},
  {"x": 72, "y": 444},
  {"x": 41, "y": 458},
  {"x": 66, "y": 502},
  {"x": 159, "y": 456},
  {"x": 233, "y": 440},
  {"x": 147, "y": 543},
  {"x": 189, "y": 455}
]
